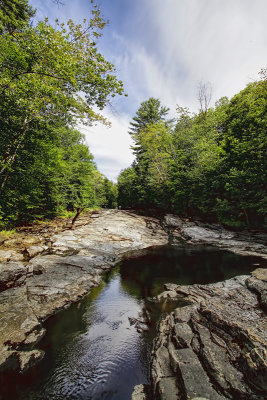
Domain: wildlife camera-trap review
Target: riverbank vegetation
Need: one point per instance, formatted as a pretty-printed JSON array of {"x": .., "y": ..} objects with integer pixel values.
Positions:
[
  {"x": 52, "y": 78},
  {"x": 209, "y": 165}
]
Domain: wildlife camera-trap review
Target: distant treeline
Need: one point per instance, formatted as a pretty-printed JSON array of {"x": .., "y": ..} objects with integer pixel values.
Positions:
[
  {"x": 51, "y": 78},
  {"x": 210, "y": 165}
]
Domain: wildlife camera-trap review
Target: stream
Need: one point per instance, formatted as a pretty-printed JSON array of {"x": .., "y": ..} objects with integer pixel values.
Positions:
[{"x": 99, "y": 347}]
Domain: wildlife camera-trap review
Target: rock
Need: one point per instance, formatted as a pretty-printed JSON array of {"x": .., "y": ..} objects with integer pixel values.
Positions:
[
  {"x": 173, "y": 221},
  {"x": 75, "y": 262},
  {"x": 12, "y": 274},
  {"x": 28, "y": 359},
  {"x": 19, "y": 328},
  {"x": 35, "y": 250},
  {"x": 21, "y": 241},
  {"x": 10, "y": 255},
  {"x": 244, "y": 243},
  {"x": 3, "y": 238},
  {"x": 139, "y": 393},
  {"x": 258, "y": 283},
  {"x": 214, "y": 348}
]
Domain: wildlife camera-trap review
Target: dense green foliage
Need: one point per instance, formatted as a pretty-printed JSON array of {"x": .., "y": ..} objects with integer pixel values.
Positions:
[
  {"x": 51, "y": 78},
  {"x": 210, "y": 165}
]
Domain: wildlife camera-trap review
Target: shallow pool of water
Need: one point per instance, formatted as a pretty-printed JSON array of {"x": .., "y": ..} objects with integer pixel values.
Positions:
[{"x": 94, "y": 349}]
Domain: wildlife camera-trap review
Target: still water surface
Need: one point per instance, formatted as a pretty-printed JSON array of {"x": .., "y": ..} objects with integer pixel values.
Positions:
[{"x": 93, "y": 349}]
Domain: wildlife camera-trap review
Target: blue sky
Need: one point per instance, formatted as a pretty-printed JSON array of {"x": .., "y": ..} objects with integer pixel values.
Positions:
[{"x": 163, "y": 49}]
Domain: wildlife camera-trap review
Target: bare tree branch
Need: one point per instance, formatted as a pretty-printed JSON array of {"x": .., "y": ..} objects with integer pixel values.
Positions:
[{"x": 204, "y": 95}]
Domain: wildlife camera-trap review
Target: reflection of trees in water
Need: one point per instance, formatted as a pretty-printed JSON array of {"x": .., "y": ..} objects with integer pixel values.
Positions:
[{"x": 145, "y": 275}]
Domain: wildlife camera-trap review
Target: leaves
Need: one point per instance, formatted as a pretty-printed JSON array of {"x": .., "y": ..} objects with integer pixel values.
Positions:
[
  {"x": 210, "y": 165},
  {"x": 51, "y": 78}
]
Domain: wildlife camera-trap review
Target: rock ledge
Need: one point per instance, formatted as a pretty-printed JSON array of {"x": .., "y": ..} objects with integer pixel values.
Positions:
[{"x": 216, "y": 347}]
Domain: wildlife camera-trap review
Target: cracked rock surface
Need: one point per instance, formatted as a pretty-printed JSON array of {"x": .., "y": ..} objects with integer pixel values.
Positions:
[
  {"x": 216, "y": 347},
  {"x": 219, "y": 340},
  {"x": 32, "y": 291},
  {"x": 243, "y": 243}
]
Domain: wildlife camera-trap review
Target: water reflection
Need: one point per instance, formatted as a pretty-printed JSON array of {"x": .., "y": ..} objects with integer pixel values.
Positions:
[
  {"x": 144, "y": 275},
  {"x": 93, "y": 350}
]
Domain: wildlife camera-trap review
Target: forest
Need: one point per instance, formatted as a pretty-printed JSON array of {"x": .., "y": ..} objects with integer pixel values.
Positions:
[
  {"x": 209, "y": 165},
  {"x": 52, "y": 78}
]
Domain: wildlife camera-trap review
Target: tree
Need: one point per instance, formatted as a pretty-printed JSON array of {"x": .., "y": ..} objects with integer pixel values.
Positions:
[
  {"x": 149, "y": 112},
  {"x": 55, "y": 172},
  {"x": 50, "y": 75},
  {"x": 14, "y": 15},
  {"x": 128, "y": 190},
  {"x": 111, "y": 194},
  {"x": 212, "y": 167},
  {"x": 244, "y": 148},
  {"x": 204, "y": 95}
]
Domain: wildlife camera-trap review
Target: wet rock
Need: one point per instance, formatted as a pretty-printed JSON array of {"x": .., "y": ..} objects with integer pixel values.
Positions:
[
  {"x": 214, "y": 348},
  {"x": 28, "y": 359}
]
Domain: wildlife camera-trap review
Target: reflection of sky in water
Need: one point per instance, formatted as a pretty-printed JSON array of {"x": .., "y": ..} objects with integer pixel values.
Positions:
[{"x": 92, "y": 350}]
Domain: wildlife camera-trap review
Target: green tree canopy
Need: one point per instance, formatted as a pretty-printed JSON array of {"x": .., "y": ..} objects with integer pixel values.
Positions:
[
  {"x": 50, "y": 74},
  {"x": 14, "y": 15},
  {"x": 210, "y": 165}
]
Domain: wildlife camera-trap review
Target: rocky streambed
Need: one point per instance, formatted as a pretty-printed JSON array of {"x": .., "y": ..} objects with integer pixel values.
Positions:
[
  {"x": 214, "y": 348},
  {"x": 46, "y": 276},
  {"x": 60, "y": 275}
]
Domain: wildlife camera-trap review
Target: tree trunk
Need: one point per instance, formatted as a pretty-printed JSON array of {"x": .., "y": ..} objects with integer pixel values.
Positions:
[{"x": 79, "y": 210}]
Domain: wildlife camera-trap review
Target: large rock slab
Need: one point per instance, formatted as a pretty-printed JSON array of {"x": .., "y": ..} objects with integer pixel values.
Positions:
[
  {"x": 62, "y": 274},
  {"x": 216, "y": 347},
  {"x": 246, "y": 243}
]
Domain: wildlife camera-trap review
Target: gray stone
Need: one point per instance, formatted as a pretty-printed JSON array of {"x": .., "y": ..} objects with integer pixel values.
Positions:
[
  {"x": 12, "y": 274},
  {"x": 258, "y": 283},
  {"x": 35, "y": 250},
  {"x": 167, "y": 388},
  {"x": 216, "y": 348},
  {"x": 75, "y": 262},
  {"x": 10, "y": 255},
  {"x": 139, "y": 393},
  {"x": 182, "y": 231}
]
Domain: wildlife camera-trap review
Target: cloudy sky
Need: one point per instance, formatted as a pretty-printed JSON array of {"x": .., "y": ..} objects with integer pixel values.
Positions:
[{"x": 163, "y": 49}]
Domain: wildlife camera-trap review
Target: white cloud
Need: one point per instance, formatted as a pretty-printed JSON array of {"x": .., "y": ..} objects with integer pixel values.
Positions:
[
  {"x": 166, "y": 49},
  {"x": 110, "y": 146},
  {"x": 223, "y": 42}
]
